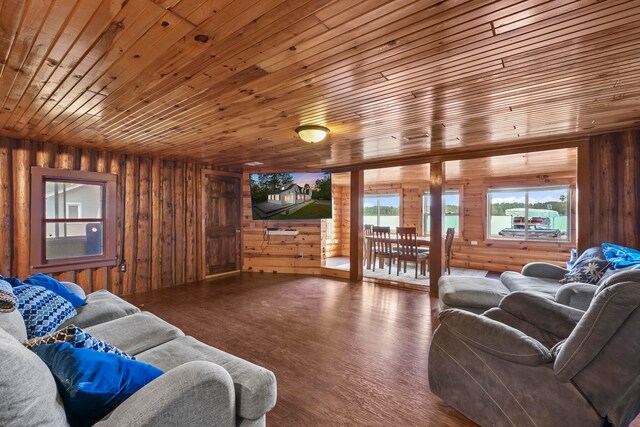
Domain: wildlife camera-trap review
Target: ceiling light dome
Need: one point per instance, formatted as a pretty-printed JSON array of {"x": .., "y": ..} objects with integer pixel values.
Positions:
[{"x": 312, "y": 133}]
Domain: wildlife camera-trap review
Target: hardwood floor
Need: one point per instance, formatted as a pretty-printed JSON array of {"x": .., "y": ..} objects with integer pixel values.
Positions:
[{"x": 343, "y": 353}]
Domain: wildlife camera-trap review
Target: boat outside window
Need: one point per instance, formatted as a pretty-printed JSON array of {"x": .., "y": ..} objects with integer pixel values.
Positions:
[{"x": 534, "y": 213}]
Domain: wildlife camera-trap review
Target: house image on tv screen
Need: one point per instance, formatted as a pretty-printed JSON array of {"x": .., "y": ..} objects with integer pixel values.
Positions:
[{"x": 291, "y": 195}]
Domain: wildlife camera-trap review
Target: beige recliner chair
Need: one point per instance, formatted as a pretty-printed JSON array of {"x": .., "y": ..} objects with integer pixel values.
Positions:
[{"x": 534, "y": 362}]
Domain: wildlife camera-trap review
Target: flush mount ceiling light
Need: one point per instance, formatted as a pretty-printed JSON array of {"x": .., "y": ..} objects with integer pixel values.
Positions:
[{"x": 312, "y": 133}]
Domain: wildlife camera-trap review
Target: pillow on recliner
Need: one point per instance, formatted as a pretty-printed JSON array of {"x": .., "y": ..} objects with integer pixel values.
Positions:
[{"x": 589, "y": 270}]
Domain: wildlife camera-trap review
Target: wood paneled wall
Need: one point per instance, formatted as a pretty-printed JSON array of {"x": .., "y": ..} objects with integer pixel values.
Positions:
[
  {"x": 335, "y": 235},
  {"x": 279, "y": 254},
  {"x": 613, "y": 185},
  {"x": 503, "y": 255},
  {"x": 157, "y": 206}
]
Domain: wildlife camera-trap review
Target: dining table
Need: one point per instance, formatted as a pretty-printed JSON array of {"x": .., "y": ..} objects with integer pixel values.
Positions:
[{"x": 421, "y": 241}]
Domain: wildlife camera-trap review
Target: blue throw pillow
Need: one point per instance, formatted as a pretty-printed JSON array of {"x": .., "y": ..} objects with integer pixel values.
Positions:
[
  {"x": 42, "y": 310},
  {"x": 53, "y": 285},
  {"x": 91, "y": 383},
  {"x": 620, "y": 256},
  {"x": 589, "y": 270},
  {"x": 77, "y": 338},
  {"x": 13, "y": 281}
]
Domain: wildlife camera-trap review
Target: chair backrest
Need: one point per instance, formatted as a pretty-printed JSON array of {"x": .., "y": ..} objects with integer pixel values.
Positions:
[
  {"x": 368, "y": 229},
  {"x": 448, "y": 241},
  {"x": 407, "y": 242},
  {"x": 602, "y": 354},
  {"x": 381, "y": 241}
]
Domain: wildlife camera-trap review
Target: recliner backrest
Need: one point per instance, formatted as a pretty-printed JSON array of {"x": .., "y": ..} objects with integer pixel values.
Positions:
[{"x": 602, "y": 354}]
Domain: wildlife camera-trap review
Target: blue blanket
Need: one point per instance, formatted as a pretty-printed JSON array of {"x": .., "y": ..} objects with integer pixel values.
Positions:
[{"x": 619, "y": 256}]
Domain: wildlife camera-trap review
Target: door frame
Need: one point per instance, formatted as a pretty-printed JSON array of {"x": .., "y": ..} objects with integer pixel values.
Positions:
[{"x": 203, "y": 241}]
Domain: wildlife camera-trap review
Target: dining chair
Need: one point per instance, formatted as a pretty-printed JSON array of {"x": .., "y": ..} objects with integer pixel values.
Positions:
[
  {"x": 408, "y": 250},
  {"x": 448, "y": 246},
  {"x": 382, "y": 246},
  {"x": 368, "y": 233}
]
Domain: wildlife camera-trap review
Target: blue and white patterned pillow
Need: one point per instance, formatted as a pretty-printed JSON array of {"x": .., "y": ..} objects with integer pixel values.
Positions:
[
  {"x": 77, "y": 338},
  {"x": 42, "y": 310},
  {"x": 589, "y": 270}
]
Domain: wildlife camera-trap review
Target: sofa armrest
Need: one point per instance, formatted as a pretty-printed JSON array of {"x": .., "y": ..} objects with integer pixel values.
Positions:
[
  {"x": 544, "y": 269},
  {"x": 576, "y": 295},
  {"x": 542, "y": 312},
  {"x": 196, "y": 393},
  {"x": 494, "y": 338}
]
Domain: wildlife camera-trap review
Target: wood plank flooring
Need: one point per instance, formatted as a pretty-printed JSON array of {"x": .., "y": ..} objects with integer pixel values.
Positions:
[{"x": 347, "y": 354}]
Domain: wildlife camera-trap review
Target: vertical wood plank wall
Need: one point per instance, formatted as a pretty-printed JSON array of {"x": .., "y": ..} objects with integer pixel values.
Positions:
[
  {"x": 157, "y": 202},
  {"x": 614, "y": 184},
  {"x": 279, "y": 254}
]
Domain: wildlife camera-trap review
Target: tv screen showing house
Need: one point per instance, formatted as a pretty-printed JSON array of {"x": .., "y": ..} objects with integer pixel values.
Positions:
[{"x": 291, "y": 195}]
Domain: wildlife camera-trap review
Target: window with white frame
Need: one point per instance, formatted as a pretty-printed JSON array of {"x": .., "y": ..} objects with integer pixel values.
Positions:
[
  {"x": 382, "y": 210},
  {"x": 529, "y": 213},
  {"x": 450, "y": 211}
]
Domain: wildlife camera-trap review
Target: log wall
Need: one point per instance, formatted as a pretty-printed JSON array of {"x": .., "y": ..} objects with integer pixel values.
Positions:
[
  {"x": 157, "y": 206},
  {"x": 613, "y": 175},
  {"x": 503, "y": 255}
]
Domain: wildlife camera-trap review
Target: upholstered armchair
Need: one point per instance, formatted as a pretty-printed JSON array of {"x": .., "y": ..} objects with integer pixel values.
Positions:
[{"x": 534, "y": 362}]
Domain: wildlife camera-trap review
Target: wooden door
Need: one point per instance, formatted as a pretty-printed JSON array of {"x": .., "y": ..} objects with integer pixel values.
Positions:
[{"x": 221, "y": 222}]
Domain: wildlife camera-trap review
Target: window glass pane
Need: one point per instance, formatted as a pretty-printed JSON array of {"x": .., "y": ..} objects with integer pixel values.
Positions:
[
  {"x": 382, "y": 210},
  {"x": 65, "y": 200},
  {"x": 371, "y": 210},
  {"x": 537, "y": 213},
  {"x": 73, "y": 239},
  {"x": 389, "y": 211},
  {"x": 507, "y": 212},
  {"x": 451, "y": 211},
  {"x": 548, "y": 213}
]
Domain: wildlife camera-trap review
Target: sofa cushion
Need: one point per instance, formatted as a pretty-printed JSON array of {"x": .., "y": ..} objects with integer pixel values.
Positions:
[
  {"x": 13, "y": 323},
  {"x": 42, "y": 310},
  {"x": 588, "y": 270},
  {"x": 40, "y": 279},
  {"x": 255, "y": 386},
  {"x": 77, "y": 338},
  {"x": 101, "y": 307},
  {"x": 92, "y": 383},
  {"x": 480, "y": 292},
  {"x": 28, "y": 391},
  {"x": 517, "y": 282},
  {"x": 135, "y": 333}
]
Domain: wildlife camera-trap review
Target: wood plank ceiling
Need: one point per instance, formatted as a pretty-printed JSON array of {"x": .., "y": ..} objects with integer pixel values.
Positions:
[
  {"x": 512, "y": 165},
  {"x": 227, "y": 81}
]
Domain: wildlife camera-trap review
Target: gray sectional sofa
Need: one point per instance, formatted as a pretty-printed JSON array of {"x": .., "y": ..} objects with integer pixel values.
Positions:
[
  {"x": 201, "y": 384},
  {"x": 535, "y": 362},
  {"x": 480, "y": 294}
]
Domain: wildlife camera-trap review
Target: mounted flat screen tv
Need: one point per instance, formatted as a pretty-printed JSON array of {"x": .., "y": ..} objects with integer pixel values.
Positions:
[{"x": 291, "y": 195}]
